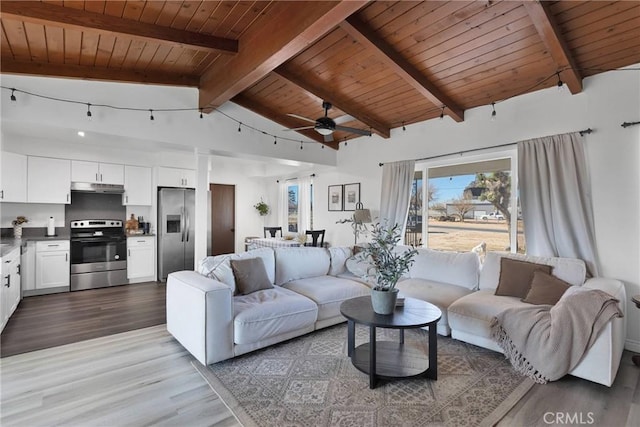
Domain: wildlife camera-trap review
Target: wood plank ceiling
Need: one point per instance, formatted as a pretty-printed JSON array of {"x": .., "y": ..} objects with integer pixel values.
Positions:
[{"x": 382, "y": 64}]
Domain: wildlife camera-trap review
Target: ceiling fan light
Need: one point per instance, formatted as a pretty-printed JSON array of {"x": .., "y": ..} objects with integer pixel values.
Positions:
[{"x": 324, "y": 131}]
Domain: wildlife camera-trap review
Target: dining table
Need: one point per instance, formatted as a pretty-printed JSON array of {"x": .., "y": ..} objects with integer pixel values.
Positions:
[{"x": 272, "y": 242}]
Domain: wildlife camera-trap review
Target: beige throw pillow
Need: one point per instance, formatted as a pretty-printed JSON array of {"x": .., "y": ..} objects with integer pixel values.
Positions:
[
  {"x": 250, "y": 275},
  {"x": 545, "y": 289},
  {"x": 516, "y": 277}
]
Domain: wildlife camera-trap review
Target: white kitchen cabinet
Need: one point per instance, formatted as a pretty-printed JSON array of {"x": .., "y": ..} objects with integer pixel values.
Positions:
[
  {"x": 52, "y": 264},
  {"x": 140, "y": 257},
  {"x": 137, "y": 186},
  {"x": 13, "y": 178},
  {"x": 174, "y": 177},
  {"x": 10, "y": 293},
  {"x": 102, "y": 173},
  {"x": 48, "y": 180}
]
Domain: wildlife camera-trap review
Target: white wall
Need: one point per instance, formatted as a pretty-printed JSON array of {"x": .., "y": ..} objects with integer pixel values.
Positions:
[{"x": 613, "y": 157}]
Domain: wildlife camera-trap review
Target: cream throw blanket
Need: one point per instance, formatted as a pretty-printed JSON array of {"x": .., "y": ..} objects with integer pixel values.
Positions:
[{"x": 545, "y": 342}]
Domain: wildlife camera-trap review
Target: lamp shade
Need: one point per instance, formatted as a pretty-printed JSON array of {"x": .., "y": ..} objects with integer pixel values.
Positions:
[
  {"x": 361, "y": 216},
  {"x": 324, "y": 131}
]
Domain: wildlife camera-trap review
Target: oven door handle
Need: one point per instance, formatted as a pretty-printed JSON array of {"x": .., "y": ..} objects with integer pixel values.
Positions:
[{"x": 99, "y": 240}]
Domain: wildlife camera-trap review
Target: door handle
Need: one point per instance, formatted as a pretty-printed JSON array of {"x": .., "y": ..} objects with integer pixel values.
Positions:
[
  {"x": 1, "y": 194},
  {"x": 96, "y": 176},
  {"x": 67, "y": 197},
  {"x": 233, "y": 230},
  {"x": 188, "y": 224},
  {"x": 126, "y": 198},
  {"x": 129, "y": 253},
  {"x": 182, "y": 219},
  {"x": 100, "y": 177},
  {"x": 8, "y": 277},
  {"x": 66, "y": 257},
  {"x": 19, "y": 269}
]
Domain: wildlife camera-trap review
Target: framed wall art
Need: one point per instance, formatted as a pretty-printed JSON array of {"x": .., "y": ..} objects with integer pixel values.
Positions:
[
  {"x": 335, "y": 197},
  {"x": 351, "y": 196}
]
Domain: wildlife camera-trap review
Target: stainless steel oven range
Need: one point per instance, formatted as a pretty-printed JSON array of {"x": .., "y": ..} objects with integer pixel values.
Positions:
[{"x": 98, "y": 254}]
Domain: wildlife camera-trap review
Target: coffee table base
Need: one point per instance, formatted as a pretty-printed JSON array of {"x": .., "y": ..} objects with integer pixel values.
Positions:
[{"x": 392, "y": 360}]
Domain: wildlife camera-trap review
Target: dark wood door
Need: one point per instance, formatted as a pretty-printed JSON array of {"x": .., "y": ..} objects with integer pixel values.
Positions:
[{"x": 223, "y": 218}]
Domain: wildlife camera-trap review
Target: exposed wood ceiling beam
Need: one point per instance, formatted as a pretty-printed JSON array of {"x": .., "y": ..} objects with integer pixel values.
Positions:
[
  {"x": 552, "y": 37},
  {"x": 364, "y": 35},
  {"x": 250, "y": 104},
  {"x": 66, "y": 17},
  {"x": 346, "y": 105},
  {"x": 8, "y": 65},
  {"x": 292, "y": 27}
]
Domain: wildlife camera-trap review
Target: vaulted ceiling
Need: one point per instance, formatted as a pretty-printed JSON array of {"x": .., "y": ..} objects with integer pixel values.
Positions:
[{"x": 381, "y": 64}]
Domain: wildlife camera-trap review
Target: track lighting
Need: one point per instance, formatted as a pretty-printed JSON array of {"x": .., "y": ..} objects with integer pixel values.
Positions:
[
  {"x": 403, "y": 126},
  {"x": 442, "y": 113},
  {"x": 493, "y": 113},
  {"x": 13, "y": 96},
  {"x": 275, "y": 140},
  {"x": 151, "y": 115},
  {"x": 560, "y": 82},
  {"x": 89, "y": 111},
  {"x": 239, "y": 127},
  {"x": 301, "y": 145},
  {"x": 201, "y": 113}
]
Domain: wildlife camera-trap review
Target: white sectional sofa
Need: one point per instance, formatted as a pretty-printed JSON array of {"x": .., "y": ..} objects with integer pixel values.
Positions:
[{"x": 309, "y": 284}]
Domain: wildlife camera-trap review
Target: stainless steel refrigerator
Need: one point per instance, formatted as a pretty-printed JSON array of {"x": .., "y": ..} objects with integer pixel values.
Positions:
[{"x": 176, "y": 213}]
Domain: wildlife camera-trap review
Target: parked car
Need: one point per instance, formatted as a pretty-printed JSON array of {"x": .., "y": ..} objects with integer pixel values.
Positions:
[
  {"x": 492, "y": 215},
  {"x": 447, "y": 218}
]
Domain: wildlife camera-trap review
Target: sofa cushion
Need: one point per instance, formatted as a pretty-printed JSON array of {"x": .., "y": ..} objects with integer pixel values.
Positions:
[
  {"x": 516, "y": 276},
  {"x": 545, "y": 289},
  {"x": 328, "y": 292},
  {"x": 442, "y": 295},
  {"x": 219, "y": 267},
  {"x": 455, "y": 268},
  {"x": 339, "y": 256},
  {"x": 300, "y": 263},
  {"x": 570, "y": 270},
  {"x": 270, "y": 312},
  {"x": 250, "y": 275},
  {"x": 473, "y": 313}
]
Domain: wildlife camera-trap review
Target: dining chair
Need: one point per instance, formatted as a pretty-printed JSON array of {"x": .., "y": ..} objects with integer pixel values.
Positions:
[
  {"x": 272, "y": 231},
  {"x": 315, "y": 236}
]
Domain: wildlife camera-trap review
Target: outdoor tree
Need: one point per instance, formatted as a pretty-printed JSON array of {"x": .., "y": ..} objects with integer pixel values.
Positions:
[
  {"x": 462, "y": 205},
  {"x": 496, "y": 189}
]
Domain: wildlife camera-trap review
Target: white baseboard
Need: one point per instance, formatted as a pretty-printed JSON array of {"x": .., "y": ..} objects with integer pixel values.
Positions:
[{"x": 632, "y": 345}]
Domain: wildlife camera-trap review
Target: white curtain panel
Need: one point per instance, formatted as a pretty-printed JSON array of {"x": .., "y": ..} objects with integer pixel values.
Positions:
[
  {"x": 555, "y": 196},
  {"x": 304, "y": 204},
  {"x": 283, "y": 206},
  {"x": 396, "y": 192}
]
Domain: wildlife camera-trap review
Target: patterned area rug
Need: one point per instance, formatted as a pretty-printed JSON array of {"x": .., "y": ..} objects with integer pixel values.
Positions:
[{"x": 310, "y": 381}]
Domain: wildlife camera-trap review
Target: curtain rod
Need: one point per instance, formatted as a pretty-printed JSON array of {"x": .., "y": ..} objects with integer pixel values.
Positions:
[
  {"x": 313, "y": 175},
  {"x": 581, "y": 132}
]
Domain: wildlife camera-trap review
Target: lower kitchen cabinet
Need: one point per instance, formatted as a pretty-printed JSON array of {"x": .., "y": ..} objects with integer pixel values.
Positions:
[
  {"x": 52, "y": 265},
  {"x": 10, "y": 294},
  {"x": 140, "y": 258}
]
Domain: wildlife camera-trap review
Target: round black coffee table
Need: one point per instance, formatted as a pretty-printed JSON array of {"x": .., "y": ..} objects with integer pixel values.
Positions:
[{"x": 388, "y": 359}]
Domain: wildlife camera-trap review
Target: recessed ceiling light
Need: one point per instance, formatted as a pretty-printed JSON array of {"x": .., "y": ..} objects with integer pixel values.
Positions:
[{"x": 81, "y": 133}]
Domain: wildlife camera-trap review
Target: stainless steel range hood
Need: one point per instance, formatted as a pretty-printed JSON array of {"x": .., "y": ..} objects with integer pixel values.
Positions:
[{"x": 90, "y": 187}]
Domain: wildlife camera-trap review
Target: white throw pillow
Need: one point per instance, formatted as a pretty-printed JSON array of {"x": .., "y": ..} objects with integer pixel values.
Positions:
[
  {"x": 454, "y": 268},
  {"x": 339, "y": 256}
]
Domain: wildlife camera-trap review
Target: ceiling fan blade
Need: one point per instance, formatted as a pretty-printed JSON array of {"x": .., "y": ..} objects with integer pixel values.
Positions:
[
  {"x": 301, "y": 128},
  {"x": 353, "y": 130},
  {"x": 301, "y": 118},
  {"x": 343, "y": 119},
  {"x": 328, "y": 138}
]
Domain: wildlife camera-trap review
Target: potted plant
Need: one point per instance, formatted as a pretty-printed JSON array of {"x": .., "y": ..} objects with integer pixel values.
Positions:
[
  {"x": 262, "y": 208},
  {"x": 386, "y": 265},
  {"x": 17, "y": 226}
]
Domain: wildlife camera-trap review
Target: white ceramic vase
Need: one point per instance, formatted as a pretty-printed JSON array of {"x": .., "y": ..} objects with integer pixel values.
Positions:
[{"x": 17, "y": 231}]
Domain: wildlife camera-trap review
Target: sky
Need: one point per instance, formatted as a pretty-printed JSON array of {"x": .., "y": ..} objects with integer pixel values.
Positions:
[{"x": 449, "y": 188}]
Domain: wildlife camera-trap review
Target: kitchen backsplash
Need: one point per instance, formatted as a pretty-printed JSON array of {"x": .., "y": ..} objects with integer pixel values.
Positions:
[{"x": 37, "y": 213}]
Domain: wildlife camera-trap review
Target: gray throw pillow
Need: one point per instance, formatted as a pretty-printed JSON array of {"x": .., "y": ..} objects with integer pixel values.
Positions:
[
  {"x": 516, "y": 276},
  {"x": 545, "y": 289},
  {"x": 250, "y": 275}
]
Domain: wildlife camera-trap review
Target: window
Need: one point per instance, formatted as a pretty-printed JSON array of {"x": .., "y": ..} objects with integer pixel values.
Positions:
[
  {"x": 469, "y": 205},
  {"x": 292, "y": 216}
]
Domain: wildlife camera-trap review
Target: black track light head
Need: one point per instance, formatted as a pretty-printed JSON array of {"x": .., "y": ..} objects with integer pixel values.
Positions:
[
  {"x": 151, "y": 115},
  {"x": 442, "y": 113},
  {"x": 89, "y": 111},
  {"x": 13, "y": 95},
  {"x": 493, "y": 113}
]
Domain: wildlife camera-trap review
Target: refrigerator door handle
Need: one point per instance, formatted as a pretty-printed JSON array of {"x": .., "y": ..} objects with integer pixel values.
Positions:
[
  {"x": 182, "y": 218},
  {"x": 188, "y": 224}
]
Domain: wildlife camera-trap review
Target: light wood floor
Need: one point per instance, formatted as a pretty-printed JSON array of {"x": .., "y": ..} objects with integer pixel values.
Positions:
[{"x": 144, "y": 377}]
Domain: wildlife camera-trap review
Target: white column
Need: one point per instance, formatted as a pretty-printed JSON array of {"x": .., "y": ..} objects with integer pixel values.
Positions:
[{"x": 202, "y": 194}]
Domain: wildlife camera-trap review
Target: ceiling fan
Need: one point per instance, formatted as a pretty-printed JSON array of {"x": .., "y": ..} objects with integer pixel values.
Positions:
[{"x": 325, "y": 126}]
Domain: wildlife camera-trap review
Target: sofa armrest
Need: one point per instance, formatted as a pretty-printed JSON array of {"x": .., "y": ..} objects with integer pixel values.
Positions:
[
  {"x": 613, "y": 287},
  {"x": 200, "y": 315}
]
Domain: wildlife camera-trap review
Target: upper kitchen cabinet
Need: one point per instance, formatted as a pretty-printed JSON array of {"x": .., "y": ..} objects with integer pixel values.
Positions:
[
  {"x": 102, "y": 173},
  {"x": 174, "y": 177},
  {"x": 13, "y": 178},
  {"x": 48, "y": 180},
  {"x": 137, "y": 186}
]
